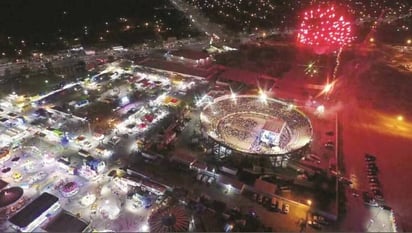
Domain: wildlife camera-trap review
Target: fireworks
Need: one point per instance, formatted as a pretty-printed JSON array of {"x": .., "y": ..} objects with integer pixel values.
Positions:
[
  {"x": 325, "y": 30},
  {"x": 312, "y": 69}
]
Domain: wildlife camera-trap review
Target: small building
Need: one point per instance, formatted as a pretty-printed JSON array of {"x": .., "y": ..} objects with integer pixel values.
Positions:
[
  {"x": 246, "y": 77},
  {"x": 96, "y": 165},
  {"x": 177, "y": 68},
  {"x": 264, "y": 186},
  {"x": 153, "y": 187},
  {"x": 90, "y": 52},
  {"x": 232, "y": 184},
  {"x": 66, "y": 222},
  {"x": 35, "y": 213},
  {"x": 182, "y": 158},
  {"x": 198, "y": 166}
]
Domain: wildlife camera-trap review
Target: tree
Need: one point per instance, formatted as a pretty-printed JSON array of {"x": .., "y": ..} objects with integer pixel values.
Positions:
[
  {"x": 110, "y": 58},
  {"x": 7, "y": 72},
  {"x": 81, "y": 66},
  {"x": 49, "y": 67},
  {"x": 24, "y": 70}
]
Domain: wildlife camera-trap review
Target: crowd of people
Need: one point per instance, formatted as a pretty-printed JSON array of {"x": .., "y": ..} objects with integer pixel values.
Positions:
[
  {"x": 238, "y": 127},
  {"x": 234, "y": 132}
]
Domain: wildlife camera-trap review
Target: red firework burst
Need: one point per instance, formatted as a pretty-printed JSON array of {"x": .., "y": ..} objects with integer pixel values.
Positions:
[{"x": 324, "y": 29}]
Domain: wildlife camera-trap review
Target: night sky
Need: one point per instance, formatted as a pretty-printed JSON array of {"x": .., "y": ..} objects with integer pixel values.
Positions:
[
  {"x": 58, "y": 22},
  {"x": 21, "y": 17}
]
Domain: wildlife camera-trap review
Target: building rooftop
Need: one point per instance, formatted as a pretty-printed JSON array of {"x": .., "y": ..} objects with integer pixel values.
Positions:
[
  {"x": 66, "y": 222},
  {"x": 247, "y": 77},
  {"x": 175, "y": 67},
  {"x": 233, "y": 182},
  {"x": 183, "y": 158},
  {"x": 190, "y": 54},
  {"x": 33, "y": 210}
]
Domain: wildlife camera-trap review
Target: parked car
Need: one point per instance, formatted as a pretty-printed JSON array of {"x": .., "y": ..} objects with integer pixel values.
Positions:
[
  {"x": 114, "y": 141},
  {"x": 378, "y": 197},
  {"x": 372, "y": 173},
  {"x": 314, "y": 157},
  {"x": 320, "y": 219},
  {"x": 254, "y": 196},
  {"x": 372, "y": 176},
  {"x": 80, "y": 138},
  {"x": 40, "y": 134},
  {"x": 131, "y": 111},
  {"x": 329, "y": 145},
  {"x": 260, "y": 199},
  {"x": 345, "y": 180},
  {"x": 366, "y": 196},
  {"x": 285, "y": 188},
  {"x": 87, "y": 144},
  {"x": 377, "y": 192},
  {"x": 372, "y": 202},
  {"x": 205, "y": 178},
  {"x": 374, "y": 185},
  {"x": 367, "y": 155},
  {"x": 370, "y": 159},
  {"x": 285, "y": 208},
  {"x": 274, "y": 204},
  {"x": 17, "y": 176},
  {"x": 373, "y": 169},
  {"x": 375, "y": 189},
  {"x": 374, "y": 180},
  {"x": 5, "y": 170},
  {"x": 199, "y": 177},
  {"x": 315, "y": 225},
  {"x": 371, "y": 166}
]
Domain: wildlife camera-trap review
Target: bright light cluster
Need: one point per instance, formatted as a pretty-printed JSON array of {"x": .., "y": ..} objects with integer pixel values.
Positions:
[{"x": 325, "y": 28}]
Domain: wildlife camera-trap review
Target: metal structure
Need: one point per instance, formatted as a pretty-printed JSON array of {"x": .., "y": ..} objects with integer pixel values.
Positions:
[{"x": 299, "y": 129}]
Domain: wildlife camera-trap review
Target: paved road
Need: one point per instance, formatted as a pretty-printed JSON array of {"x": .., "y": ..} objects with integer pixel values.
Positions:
[
  {"x": 198, "y": 20},
  {"x": 367, "y": 129}
]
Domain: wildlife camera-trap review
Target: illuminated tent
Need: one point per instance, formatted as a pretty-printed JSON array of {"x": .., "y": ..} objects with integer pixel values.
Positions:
[
  {"x": 10, "y": 196},
  {"x": 172, "y": 219}
]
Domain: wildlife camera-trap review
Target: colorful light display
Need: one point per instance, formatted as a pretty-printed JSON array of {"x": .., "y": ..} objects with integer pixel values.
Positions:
[{"x": 325, "y": 29}]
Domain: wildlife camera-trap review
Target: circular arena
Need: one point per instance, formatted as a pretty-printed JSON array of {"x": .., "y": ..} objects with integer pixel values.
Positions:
[{"x": 256, "y": 125}]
